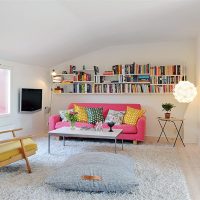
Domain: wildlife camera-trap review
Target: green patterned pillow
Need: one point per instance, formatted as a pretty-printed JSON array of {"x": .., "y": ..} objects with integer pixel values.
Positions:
[{"x": 95, "y": 115}]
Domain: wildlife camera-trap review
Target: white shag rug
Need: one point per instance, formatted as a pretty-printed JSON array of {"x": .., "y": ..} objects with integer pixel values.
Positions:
[{"x": 157, "y": 168}]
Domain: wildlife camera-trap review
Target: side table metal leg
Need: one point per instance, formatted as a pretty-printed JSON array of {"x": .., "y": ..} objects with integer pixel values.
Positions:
[
  {"x": 49, "y": 143},
  {"x": 63, "y": 140},
  {"x": 166, "y": 137},
  {"x": 162, "y": 131},
  {"x": 178, "y": 134},
  {"x": 122, "y": 144}
]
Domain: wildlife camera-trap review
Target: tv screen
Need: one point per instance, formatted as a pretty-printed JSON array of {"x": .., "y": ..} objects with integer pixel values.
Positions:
[{"x": 30, "y": 99}]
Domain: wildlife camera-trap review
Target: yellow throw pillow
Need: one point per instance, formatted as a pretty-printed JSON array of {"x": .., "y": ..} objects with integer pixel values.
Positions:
[
  {"x": 82, "y": 114},
  {"x": 132, "y": 115}
]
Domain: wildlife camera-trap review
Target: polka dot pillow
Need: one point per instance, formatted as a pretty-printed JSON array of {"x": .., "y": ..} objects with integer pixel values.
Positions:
[
  {"x": 95, "y": 115},
  {"x": 82, "y": 114},
  {"x": 132, "y": 115}
]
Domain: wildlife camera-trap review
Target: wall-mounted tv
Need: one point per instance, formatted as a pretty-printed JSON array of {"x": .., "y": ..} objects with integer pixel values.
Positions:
[{"x": 30, "y": 100}]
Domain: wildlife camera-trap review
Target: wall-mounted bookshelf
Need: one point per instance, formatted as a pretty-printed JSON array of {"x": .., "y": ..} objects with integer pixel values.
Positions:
[{"x": 121, "y": 79}]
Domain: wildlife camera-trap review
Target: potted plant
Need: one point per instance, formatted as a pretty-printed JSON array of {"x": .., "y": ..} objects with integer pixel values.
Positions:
[
  {"x": 72, "y": 117},
  {"x": 167, "y": 107}
]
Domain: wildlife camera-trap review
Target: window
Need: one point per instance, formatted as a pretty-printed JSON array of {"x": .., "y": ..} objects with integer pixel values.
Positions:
[{"x": 4, "y": 91}]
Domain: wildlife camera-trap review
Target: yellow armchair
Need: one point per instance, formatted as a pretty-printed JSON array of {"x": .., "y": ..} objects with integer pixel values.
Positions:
[{"x": 17, "y": 148}]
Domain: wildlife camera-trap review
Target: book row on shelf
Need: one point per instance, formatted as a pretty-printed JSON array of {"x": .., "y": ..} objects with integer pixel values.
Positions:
[
  {"x": 161, "y": 88},
  {"x": 80, "y": 88},
  {"x": 121, "y": 78},
  {"x": 82, "y": 76},
  {"x": 131, "y": 69},
  {"x": 148, "y": 69},
  {"x": 135, "y": 78},
  {"x": 165, "y": 79},
  {"x": 166, "y": 70},
  {"x": 121, "y": 88},
  {"x": 64, "y": 78}
]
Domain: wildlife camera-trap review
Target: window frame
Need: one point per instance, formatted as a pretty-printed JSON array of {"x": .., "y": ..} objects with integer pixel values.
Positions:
[{"x": 10, "y": 92}]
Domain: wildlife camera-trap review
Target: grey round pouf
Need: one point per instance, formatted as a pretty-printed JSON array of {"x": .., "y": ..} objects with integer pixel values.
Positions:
[{"x": 95, "y": 172}]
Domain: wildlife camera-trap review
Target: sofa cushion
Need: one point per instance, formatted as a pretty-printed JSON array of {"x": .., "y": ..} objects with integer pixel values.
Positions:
[
  {"x": 96, "y": 172},
  {"x": 132, "y": 115},
  {"x": 77, "y": 124},
  {"x": 82, "y": 114},
  {"x": 127, "y": 129},
  {"x": 95, "y": 115},
  {"x": 106, "y": 106},
  {"x": 115, "y": 116},
  {"x": 11, "y": 149}
]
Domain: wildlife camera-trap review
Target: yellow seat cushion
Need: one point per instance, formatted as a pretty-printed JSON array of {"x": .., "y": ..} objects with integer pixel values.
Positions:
[
  {"x": 82, "y": 113},
  {"x": 132, "y": 115},
  {"x": 11, "y": 149}
]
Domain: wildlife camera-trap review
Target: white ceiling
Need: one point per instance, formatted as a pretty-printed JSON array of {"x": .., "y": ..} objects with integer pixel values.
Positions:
[{"x": 49, "y": 32}]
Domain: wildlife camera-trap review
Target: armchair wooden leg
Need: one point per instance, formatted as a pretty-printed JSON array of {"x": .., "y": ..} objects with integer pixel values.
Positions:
[
  {"x": 25, "y": 157},
  {"x": 135, "y": 142}
]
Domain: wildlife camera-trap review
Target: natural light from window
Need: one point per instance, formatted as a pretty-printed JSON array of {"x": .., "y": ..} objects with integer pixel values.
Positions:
[{"x": 4, "y": 91}]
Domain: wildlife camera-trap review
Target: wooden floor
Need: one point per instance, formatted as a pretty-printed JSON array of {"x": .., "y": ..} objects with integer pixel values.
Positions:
[{"x": 190, "y": 163}]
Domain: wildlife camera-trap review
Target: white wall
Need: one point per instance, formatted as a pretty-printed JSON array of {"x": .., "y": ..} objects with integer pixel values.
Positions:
[
  {"x": 192, "y": 118},
  {"x": 155, "y": 53},
  {"x": 28, "y": 77},
  {"x": 198, "y": 85}
]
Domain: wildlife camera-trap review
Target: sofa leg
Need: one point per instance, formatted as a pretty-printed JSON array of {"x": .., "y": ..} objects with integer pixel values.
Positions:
[{"x": 135, "y": 142}]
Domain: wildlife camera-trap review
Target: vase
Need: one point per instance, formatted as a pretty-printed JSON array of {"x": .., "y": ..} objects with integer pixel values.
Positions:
[
  {"x": 111, "y": 124},
  {"x": 72, "y": 125}
]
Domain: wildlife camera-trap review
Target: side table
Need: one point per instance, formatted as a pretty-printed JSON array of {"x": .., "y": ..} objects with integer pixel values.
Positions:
[{"x": 174, "y": 121}]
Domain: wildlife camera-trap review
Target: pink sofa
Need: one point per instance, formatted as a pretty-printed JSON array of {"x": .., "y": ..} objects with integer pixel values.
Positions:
[{"x": 130, "y": 132}]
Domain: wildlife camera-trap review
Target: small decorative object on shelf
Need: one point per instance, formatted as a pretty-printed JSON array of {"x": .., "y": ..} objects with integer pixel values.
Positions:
[
  {"x": 64, "y": 72},
  {"x": 53, "y": 73},
  {"x": 72, "y": 69},
  {"x": 108, "y": 72},
  {"x": 58, "y": 90},
  {"x": 167, "y": 107},
  {"x": 57, "y": 79},
  {"x": 96, "y": 70},
  {"x": 72, "y": 117},
  {"x": 111, "y": 124}
]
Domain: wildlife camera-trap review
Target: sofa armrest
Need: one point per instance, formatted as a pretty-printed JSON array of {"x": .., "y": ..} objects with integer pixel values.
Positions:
[
  {"x": 141, "y": 125},
  {"x": 53, "y": 119}
]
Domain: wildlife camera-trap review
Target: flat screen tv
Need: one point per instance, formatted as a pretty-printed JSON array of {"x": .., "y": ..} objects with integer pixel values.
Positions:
[{"x": 30, "y": 99}]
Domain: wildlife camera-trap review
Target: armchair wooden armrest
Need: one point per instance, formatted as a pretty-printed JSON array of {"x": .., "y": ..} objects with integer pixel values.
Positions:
[
  {"x": 12, "y": 131},
  {"x": 15, "y": 139}
]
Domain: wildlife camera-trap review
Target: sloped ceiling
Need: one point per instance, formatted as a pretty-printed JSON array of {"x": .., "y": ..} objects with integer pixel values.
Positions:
[{"x": 47, "y": 32}]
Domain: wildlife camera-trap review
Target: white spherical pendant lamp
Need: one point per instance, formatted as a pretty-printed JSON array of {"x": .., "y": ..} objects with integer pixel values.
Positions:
[{"x": 184, "y": 92}]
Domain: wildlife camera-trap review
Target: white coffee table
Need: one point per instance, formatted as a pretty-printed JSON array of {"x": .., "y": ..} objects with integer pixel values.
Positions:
[{"x": 84, "y": 133}]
